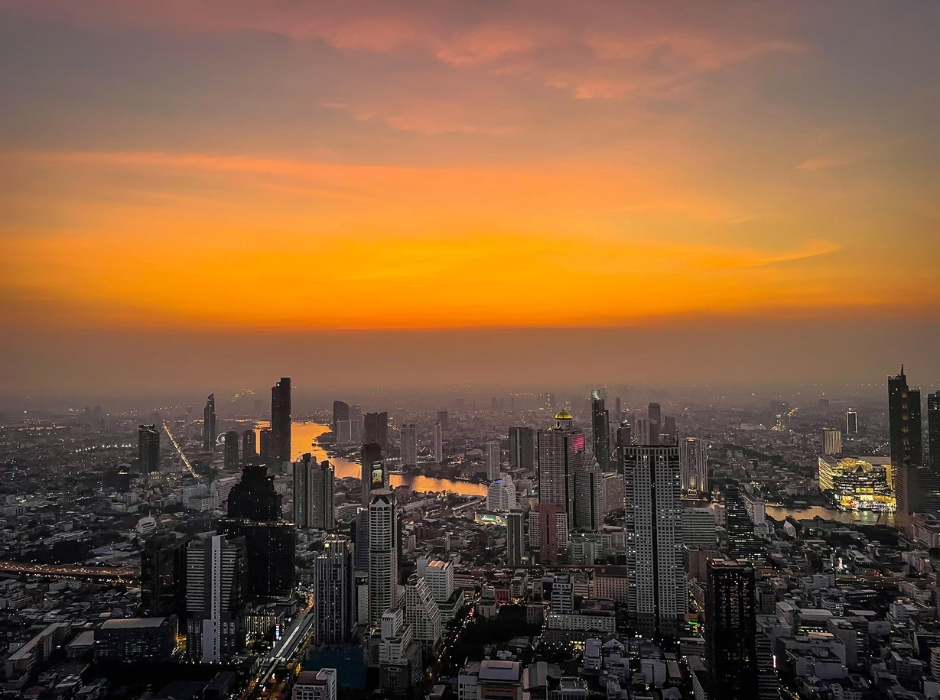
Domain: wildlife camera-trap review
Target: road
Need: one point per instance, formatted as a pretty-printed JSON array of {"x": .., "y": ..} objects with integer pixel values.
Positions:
[
  {"x": 87, "y": 572},
  {"x": 179, "y": 450},
  {"x": 282, "y": 655}
]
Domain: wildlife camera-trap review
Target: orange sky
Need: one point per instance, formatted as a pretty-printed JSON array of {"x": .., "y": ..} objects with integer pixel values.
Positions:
[{"x": 249, "y": 166}]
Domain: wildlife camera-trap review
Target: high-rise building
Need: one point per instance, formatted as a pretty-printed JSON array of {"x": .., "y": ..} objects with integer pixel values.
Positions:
[
  {"x": 653, "y": 529},
  {"x": 655, "y": 414},
  {"x": 215, "y": 597},
  {"x": 522, "y": 448},
  {"x": 163, "y": 577},
  {"x": 334, "y": 593},
  {"x": 442, "y": 418},
  {"x": 361, "y": 542},
  {"x": 832, "y": 441},
  {"x": 731, "y": 630},
  {"x": 249, "y": 447},
  {"x": 851, "y": 422},
  {"x": 371, "y": 461},
  {"x": 742, "y": 542},
  {"x": 561, "y": 457},
  {"x": 409, "y": 445},
  {"x": 383, "y": 554},
  {"x": 422, "y": 613},
  {"x": 548, "y": 532},
  {"x": 254, "y": 497},
  {"x": 208, "y": 424},
  {"x": 643, "y": 432},
  {"x": 493, "y": 460},
  {"x": 148, "y": 449},
  {"x": 316, "y": 685},
  {"x": 313, "y": 494},
  {"x": 340, "y": 412},
  {"x": 231, "y": 450},
  {"x": 376, "y": 429},
  {"x": 693, "y": 463},
  {"x": 501, "y": 495},
  {"x": 265, "y": 446},
  {"x": 589, "y": 501},
  {"x": 933, "y": 430},
  {"x": 281, "y": 421},
  {"x": 600, "y": 431},
  {"x": 515, "y": 538},
  {"x": 669, "y": 429},
  {"x": 906, "y": 444},
  {"x": 438, "y": 443}
]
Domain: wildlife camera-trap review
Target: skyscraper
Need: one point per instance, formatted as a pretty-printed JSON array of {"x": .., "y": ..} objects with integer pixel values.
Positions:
[
  {"x": 731, "y": 630},
  {"x": 313, "y": 494},
  {"x": 280, "y": 420},
  {"x": 653, "y": 528},
  {"x": 515, "y": 538},
  {"x": 215, "y": 597},
  {"x": 231, "y": 450},
  {"x": 340, "y": 412},
  {"x": 548, "y": 531},
  {"x": 742, "y": 542},
  {"x": 371, "y": 460},
  {"x": 208, "y": 424},
  {"x": 422, "y": 613},
  {"x": 148, "y": 449},
  {"x": 522, "y": 448},
  {"x": 832, "y": 441},
  {"x": 249, "y": 446},
  {"x": 600, "y": 431},
  {"x": 383, "y": 554},
  {"x": 442, "y": 418},
  {"x": 438, "y": 443},
  {"x": 376, "y": 429},
  {"x": 265, "y": 446},
  {"x": 334, "y": 593},
  {"x": 163, "y": 577},
  {"x": 669, "y": 429},
  {"x": 851, "y": 422},
  {"x": 561, "y": 456},
  {"x": 493, "y": 461},
  {"x": 588, "y": 507},
  {"x": 933, "y": 430},
  {"x": 656, "y": 422},
  {"x": 906, "y": 444},
  {"x": 693, "y": 461},
  {"x": 409, "y": 445},
  {"x": 254, "y": 497}
]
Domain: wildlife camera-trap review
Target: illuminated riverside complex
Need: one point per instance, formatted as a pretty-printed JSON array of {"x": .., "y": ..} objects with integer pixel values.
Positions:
[{"x": 857, "y": 484}]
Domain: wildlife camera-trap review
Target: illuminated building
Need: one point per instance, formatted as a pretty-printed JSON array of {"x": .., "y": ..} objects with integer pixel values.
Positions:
[
  {"x": 501, "y": 495},
  {"x": 851, "y": 422},
  {"x": 933, "y": 430},
  {"x": 313, "y": 494},
  {"x": 215, "y": 597},
  {"x": 832, "y": 441},
  {"x": 208, "y": 424},
  {"x": 856, "y": 483},
  {"x": 731, "y": 630},
  {"x": 334, "y": 593},
  {"x": 422, "y": 613},
  {"x": 693, "y": 464},
  {"x": 653, "y": 528},
  {"x": 742, "y": 542},
  {"x": 148, "y": 449},
  {"x": 906, "y": 444},
  {"x": 373, "y": 471},
  {"x": 280, "y": 420},
  {"x": 383, "y": 555},
  {"x": 409, "y": 446},
  {"x": 561, "y": 457}
]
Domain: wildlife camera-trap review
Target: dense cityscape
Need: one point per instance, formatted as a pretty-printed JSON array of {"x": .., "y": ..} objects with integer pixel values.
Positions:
[{"x": 527, "y": 545}]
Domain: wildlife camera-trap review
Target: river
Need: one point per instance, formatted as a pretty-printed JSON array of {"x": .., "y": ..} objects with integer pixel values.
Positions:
[
  {"x": 303, "y": 438},
  {"x": 860, "y": 517}
]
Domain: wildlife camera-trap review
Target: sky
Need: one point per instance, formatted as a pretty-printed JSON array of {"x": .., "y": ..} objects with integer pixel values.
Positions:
[{"x": 423, "y": 192}]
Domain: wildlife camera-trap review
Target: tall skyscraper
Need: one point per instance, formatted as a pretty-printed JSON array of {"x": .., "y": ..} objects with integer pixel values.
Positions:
[
  {"x": 163, "y": 577},
  {"x": 933, "y": 430},
  {"x": 340, "y": 412},
  {"x": 851, "y": 422},
  {"x": 383, "y": 554},
  {"x": 515, "y": 538},
  {"x": 742, "y": 542},
  {"x": 265, "y": 446},
  {"x": 653, "y": 528},
  {"x": 254, "y": 497},
  {"x": 501, "y": 495},
  {"x": 376, "y": 429},
  {"x": 313, "y": 494},
  {"x": 832, "y": 441},
  {"x": 656, "y": 422},
  {"x": 280, "y": 420},
  {"x": 493, "y": 460},
  {"x": 669, "y": 429},
  {"x": 731, "y": 630},
  {"x": 334, "y": 593},
  {"x": 561, "y": 457},
  {"x": 371, "y": 461},
  {"x": 231, "y": 450},
  {"x": 438, "y": 443},
  {"x": 442, "y": 418},
  {"x": 215, "y": 597},
  {"x": 208, "y": 424},
  {"x": 148, "y": 449},
  {"x": 409, "y": 445},
  {"x": 361, "y": 532},
  {"x": 249, "y": 446},
  {"x": 693, "y": 462},
  {"x": 643, "y": 431},
  {"x": 587, "y": 513},
  {"x": 906, "y": 444},
  {"x": 522, "y": 448},
  {"x": 422, "y": 613},
  {"x": 600, "y": 431}
]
